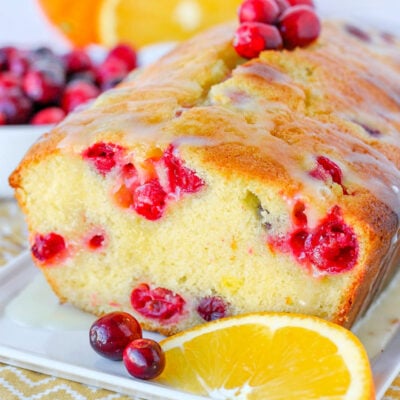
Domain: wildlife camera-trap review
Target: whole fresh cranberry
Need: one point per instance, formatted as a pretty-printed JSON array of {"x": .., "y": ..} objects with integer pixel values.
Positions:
[
  {"x": 77, "y": 61},
  {"x": 299, "y": 26},
  {"x": 49, "y": 115},
  {"x": 124, "y": 53},
  {"x": 77, "y": 93},
  {"x": 19, "y": 62},
  {"x": 144, "y": 359},
  {"x": 251, "y": 38},
  {"x": 16, "y": 108},
  {"x": 302, "y": 2},
  {"x": 111, "y": 71},
  {"x": 283, "y": 5},
  {"x": 10, "y": 83},
  {"x": 266, "y": 11},
  {"x": 5, "y": 53},
  {"x": 110, "y": 334},
  {"x": 43, "y": 86}
]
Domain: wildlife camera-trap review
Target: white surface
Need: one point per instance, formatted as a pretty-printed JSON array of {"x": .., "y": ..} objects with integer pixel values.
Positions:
[{"x": 67, "y": 353}]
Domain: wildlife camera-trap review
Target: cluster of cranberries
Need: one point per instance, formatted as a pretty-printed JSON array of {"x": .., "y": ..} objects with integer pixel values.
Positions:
[
  {"x": 162, "y": 179},
  {"x": 118, "y": 336},
  {"x": 41, "y": 87},
  {"x": 331, "y": 246},
  {"x": 275, "y": 24}
]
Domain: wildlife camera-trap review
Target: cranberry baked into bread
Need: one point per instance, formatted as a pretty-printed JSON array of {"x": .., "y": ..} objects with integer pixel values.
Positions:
[{"x": 207, "y": 185}]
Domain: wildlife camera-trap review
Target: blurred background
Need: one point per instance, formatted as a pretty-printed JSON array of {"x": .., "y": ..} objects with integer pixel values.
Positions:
[{"x": 144, "y": 21}]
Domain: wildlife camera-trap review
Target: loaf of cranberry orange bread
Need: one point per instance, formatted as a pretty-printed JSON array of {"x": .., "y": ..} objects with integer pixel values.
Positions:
[{"x": 207, "y": 185}]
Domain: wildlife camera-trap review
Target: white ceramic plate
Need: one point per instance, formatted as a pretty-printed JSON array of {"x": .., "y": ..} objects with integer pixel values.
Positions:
[{"x": 38, "y": 341}]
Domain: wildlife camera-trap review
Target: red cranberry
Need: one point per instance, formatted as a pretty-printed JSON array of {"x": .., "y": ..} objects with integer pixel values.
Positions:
[
  {"x": 144, "y": 359},
  {"x": 102, "y": 156},
  {"x": 47, "y": 248},
  {"x": 358, "y": 33},
  {"x": 50, "y": 115},
  {"x": 77, "y": 93},
  {"x": 19, "y": 62},
  {"x": 124, "y": 53},
  {"x": 111, "y": 71},
  {"x": 327, "y": 168},
  {"x": 149, "y": 200},
  {"x": 3, "y": 119},
  {"x": 301, "y": 2},
  {"x": 299, "y": 26},
  {"x": 297, "y": 242},
  {"x": 10, "y": 82},
  {"x": 211, "y": 308},
  {"x": 283, "y": 5},
  {"x": 180, "y": 178},
  {"x": 251, "y": 38},
  {"x": 5, "y": 53},
  {"x": 43, "y": 86},
  {"x": 15, "y": 108},
  {"x": 77, "y": 61},
  {"x": 266, "y": 11},
  {"x": 158, "y": 303},
  {"x": 96, "y": 242},
  {"x": 332, "y": 247},
  {"x": 111, "y": 333}
]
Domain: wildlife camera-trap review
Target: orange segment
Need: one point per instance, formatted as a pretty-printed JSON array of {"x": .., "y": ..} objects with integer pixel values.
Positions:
[
  {"x": 268, "y": 356},
  {"x": 141, "y": 22},
  {"x": 75, "y": 20}
]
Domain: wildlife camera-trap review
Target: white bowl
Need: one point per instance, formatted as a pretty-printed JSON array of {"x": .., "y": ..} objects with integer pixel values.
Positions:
[{"x": 15, "y": 140}]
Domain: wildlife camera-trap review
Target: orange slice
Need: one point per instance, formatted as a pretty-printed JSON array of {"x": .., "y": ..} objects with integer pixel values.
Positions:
[
  {"x": 268, "y": 356},
  {"x": 77, "y": 20},
  {"x": 141, "y": 22}
]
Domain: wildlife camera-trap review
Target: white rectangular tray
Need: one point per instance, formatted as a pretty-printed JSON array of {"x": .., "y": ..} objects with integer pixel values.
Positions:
[{"x": 66, "y": 352}]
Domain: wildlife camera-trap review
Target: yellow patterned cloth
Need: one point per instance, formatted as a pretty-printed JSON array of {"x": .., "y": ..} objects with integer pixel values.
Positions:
[{"x": 21, "y": 384}]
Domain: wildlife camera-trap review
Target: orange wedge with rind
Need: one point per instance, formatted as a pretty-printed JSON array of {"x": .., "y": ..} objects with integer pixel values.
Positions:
[{"x": 268, "y": 356}]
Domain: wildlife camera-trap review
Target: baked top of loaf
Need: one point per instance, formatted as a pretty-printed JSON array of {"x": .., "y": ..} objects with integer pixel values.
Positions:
[
  {"x": 339, "y": 96},
  {"x": 319, "y": 127}
]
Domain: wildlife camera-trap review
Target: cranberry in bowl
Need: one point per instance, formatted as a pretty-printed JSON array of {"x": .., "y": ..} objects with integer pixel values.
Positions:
[{"x": 40, "y": 87}]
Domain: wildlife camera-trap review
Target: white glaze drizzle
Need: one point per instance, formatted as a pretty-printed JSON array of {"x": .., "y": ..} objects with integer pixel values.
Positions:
[{"x": 126, "y": 112}]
